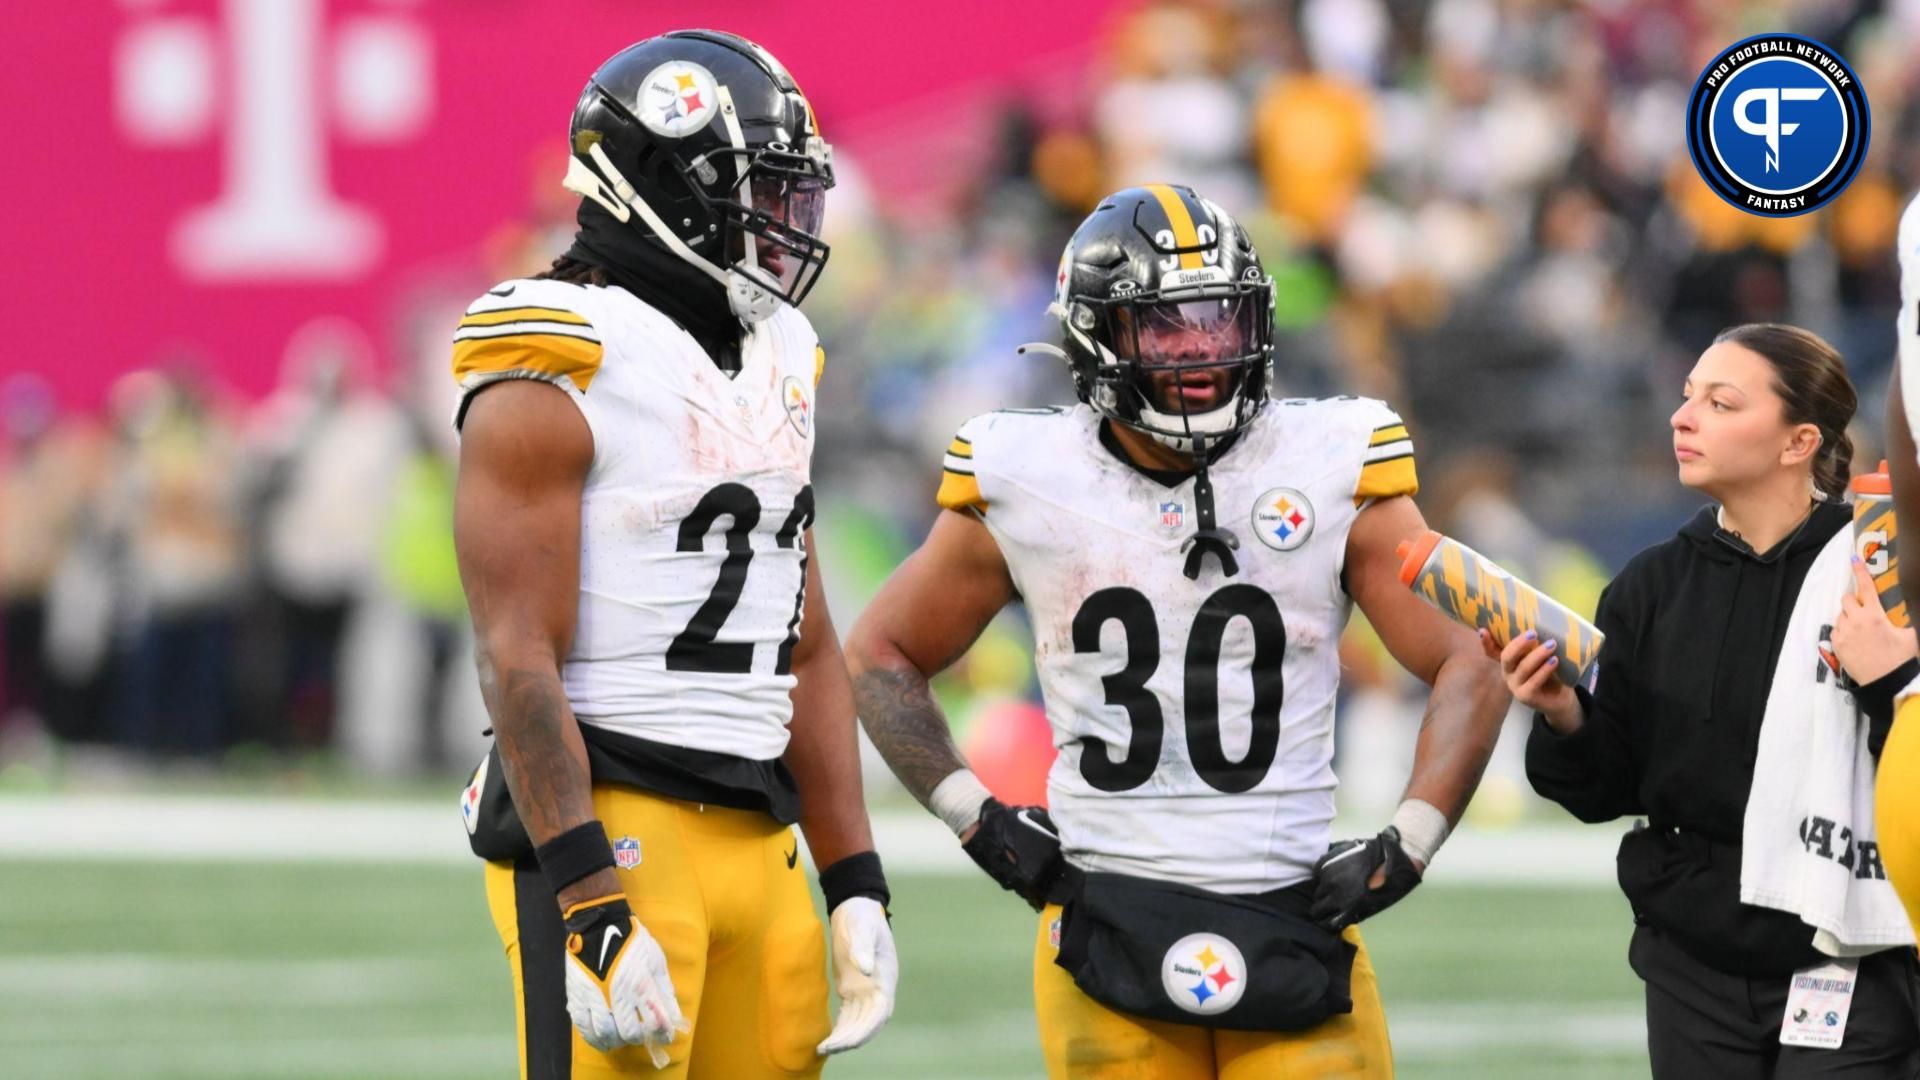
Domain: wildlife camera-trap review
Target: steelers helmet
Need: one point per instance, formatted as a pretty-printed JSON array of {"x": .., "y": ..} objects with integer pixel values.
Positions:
[
  {"x": 703, "y": 142},
  {"x": 1158, "y": 288}
]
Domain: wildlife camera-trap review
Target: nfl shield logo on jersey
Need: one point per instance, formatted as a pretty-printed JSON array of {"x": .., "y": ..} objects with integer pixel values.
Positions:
[
  {"x": 626, "y": 853},
  {"x": 1172, "y": 515},
  {"x": 1282, "y": 518},
  {"x": 1204, "y": 974}
]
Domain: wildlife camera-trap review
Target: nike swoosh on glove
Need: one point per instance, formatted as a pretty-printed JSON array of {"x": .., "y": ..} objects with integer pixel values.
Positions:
[
  {"x": 1342, "y": 894},
  {"x": 618, "y": 989},
  {"x": 1019, "y": 847},
  {"x": 866, "y": 971}
]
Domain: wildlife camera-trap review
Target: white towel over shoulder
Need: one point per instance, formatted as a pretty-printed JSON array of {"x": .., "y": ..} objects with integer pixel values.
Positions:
[{"x": 1808, "y": 840}]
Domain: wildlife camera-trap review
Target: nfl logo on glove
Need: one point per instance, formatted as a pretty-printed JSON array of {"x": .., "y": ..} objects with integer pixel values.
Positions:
[{"x": 1778, "y": 125}]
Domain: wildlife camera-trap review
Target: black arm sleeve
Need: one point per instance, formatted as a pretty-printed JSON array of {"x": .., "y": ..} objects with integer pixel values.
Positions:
[
  {"x": 1591, "y": 772},
  {"x": 1876, "y": 700}
]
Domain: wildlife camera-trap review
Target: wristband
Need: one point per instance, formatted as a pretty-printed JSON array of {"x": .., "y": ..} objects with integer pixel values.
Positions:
[
  {"x": 1423, "y": 828},
  {"x": 855, "y": 875},
  {"x": 957, "y": 800},
  {"x": 574, "y": 854}
]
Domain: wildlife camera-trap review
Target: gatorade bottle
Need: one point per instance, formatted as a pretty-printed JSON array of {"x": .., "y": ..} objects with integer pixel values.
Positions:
[
  {"x": 1874, "y": 530},
  {"x": 1469, "y": 588}
]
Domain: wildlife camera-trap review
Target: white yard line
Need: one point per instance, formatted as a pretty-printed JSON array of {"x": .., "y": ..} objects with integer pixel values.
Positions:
[{"x": 255, "y": 829}]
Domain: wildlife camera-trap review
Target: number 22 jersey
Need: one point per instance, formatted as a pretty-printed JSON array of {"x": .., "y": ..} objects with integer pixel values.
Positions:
[
  {"x": 1194, "y": 718},
  {"x": 693, "y": 514}
]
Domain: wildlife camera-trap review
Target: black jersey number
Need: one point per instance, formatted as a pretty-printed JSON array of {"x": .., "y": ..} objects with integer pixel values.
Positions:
[
  {"x": 698, "y": 648},
  {"x": 1128, "y": 688}
]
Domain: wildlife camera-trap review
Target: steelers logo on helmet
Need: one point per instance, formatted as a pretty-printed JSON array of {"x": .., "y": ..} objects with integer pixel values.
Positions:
[
  {"x": 1778, "y": 125},
  {"x": 1204, "y": 974},
  {"x": 677, "y": 98}
]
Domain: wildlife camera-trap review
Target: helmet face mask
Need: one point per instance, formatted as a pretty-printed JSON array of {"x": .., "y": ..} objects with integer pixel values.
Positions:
[
  {"x": 702, "y": 142},
  {"x": 1175, "y": 342},
  {"x": 772, "y": 235}
]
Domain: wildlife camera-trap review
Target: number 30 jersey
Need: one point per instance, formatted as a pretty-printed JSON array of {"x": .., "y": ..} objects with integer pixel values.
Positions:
[
  {"x": 1194, "y": 718},
  {"x": 692, "y": 560}
]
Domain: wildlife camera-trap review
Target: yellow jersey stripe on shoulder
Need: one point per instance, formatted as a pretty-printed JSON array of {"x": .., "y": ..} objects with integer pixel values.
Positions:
[
  {"x": 1184, "y": 234},
  {"x": 960, "y": 490},
  {"x": 550, "y": 355},
  {"x": 819, "y": 364},
  {"x": 1387, "y": 478},
  {"x": 1387, "y": 434},
  {"x": 524, "y": 314},
  {"x": 960, "y": 448}
]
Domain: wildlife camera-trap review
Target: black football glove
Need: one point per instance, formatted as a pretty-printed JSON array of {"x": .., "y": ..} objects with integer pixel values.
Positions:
[
  {"x": 1341, "y": 895},
  {"x": 1019, "y": 847}
]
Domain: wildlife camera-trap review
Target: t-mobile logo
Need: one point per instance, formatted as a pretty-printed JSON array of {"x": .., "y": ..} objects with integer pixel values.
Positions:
[{"x": 279, "y": 79}]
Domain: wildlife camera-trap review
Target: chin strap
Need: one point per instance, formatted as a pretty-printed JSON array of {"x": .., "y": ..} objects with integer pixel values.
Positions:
[{"x": 1211, "y": 537}]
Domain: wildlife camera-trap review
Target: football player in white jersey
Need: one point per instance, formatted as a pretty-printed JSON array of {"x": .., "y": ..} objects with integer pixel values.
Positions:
[
  {"x": 633, "y": 525},
  {"x": 1188, "y": 551}
]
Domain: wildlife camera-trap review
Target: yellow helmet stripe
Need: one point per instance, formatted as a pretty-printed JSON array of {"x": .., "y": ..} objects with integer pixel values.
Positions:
[{"x": 1184, "y": 234}]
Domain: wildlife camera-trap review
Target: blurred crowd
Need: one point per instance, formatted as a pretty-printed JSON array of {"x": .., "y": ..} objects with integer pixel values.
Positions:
[{"x": 1480, "y": 210}]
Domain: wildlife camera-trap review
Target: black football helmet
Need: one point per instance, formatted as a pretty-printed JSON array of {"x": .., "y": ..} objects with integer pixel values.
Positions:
[
  {"x": 1157, "y": 288},
  {"x": 705, "y": 138}
]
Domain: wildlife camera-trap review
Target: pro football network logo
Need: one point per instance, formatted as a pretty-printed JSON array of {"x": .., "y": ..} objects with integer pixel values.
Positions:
[
  {"x": 799, "y": 409},
  {"x": 626, "y": 853},
  {"x": 677, "y": 99},
  {"x": 1204, "y": 974},
  {"x": 1778, "y": 125},
  {"x": 1282, "y": 519}
]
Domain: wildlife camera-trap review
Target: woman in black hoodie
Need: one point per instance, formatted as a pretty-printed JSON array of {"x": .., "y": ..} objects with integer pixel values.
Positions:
[{"x": 1694, "y": 626}]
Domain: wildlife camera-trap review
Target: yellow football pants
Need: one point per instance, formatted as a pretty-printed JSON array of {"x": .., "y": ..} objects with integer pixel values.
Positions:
[
  {"x": 1896, "y": 806},
  {"x": 1082, "y": 1039},
  {"x": 723, "y": 893}
]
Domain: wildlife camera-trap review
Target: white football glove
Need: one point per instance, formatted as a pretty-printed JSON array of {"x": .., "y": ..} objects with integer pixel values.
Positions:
[
  {"x": 866, "y": 970},
  {"x": 618, "y": 989}
]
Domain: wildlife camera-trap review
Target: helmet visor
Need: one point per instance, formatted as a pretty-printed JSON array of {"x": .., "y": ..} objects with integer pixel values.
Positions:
[
  {"x": 1189, "y": 333},
  {"x": 783, "y": 225}
]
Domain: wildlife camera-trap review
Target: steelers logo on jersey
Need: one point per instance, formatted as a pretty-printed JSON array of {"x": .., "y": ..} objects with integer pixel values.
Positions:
[
  {"x": 1204, "y": 974},
  {"x": 799, "y": 410},
  {"x": 1282, "y": 518},
  {"x": 677, "y": 99}
]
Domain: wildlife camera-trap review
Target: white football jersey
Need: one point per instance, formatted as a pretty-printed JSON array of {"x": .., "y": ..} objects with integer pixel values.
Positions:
[
  {"x": 1194, "y": 718},
  {"x": 692, "y": 552}
]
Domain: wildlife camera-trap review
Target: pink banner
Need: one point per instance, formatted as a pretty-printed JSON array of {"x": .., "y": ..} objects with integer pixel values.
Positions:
[{"x": 198, "y": 178}]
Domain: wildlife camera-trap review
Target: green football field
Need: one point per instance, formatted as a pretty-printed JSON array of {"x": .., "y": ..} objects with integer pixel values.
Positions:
[{"x": 130, "y": 969}]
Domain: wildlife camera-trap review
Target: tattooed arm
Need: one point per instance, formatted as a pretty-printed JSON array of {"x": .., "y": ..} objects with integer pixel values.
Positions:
[
  {"x": 924, "y": 618},
  {"x": 524, "y": 454}
]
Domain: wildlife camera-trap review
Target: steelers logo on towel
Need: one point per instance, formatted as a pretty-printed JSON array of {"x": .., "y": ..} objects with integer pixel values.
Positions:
[
  {"x": 1282, "y": 519},
  {"x": 1204, "y": 974},
  {"x": 470, "y": 797},
  {"x": 677, "y": 99}
]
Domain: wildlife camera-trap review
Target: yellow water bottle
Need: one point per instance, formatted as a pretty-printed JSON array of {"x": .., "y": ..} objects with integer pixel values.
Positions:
[
  {"x": 1470, "y": 588},
  {"x": 1874, "y": 530}
]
